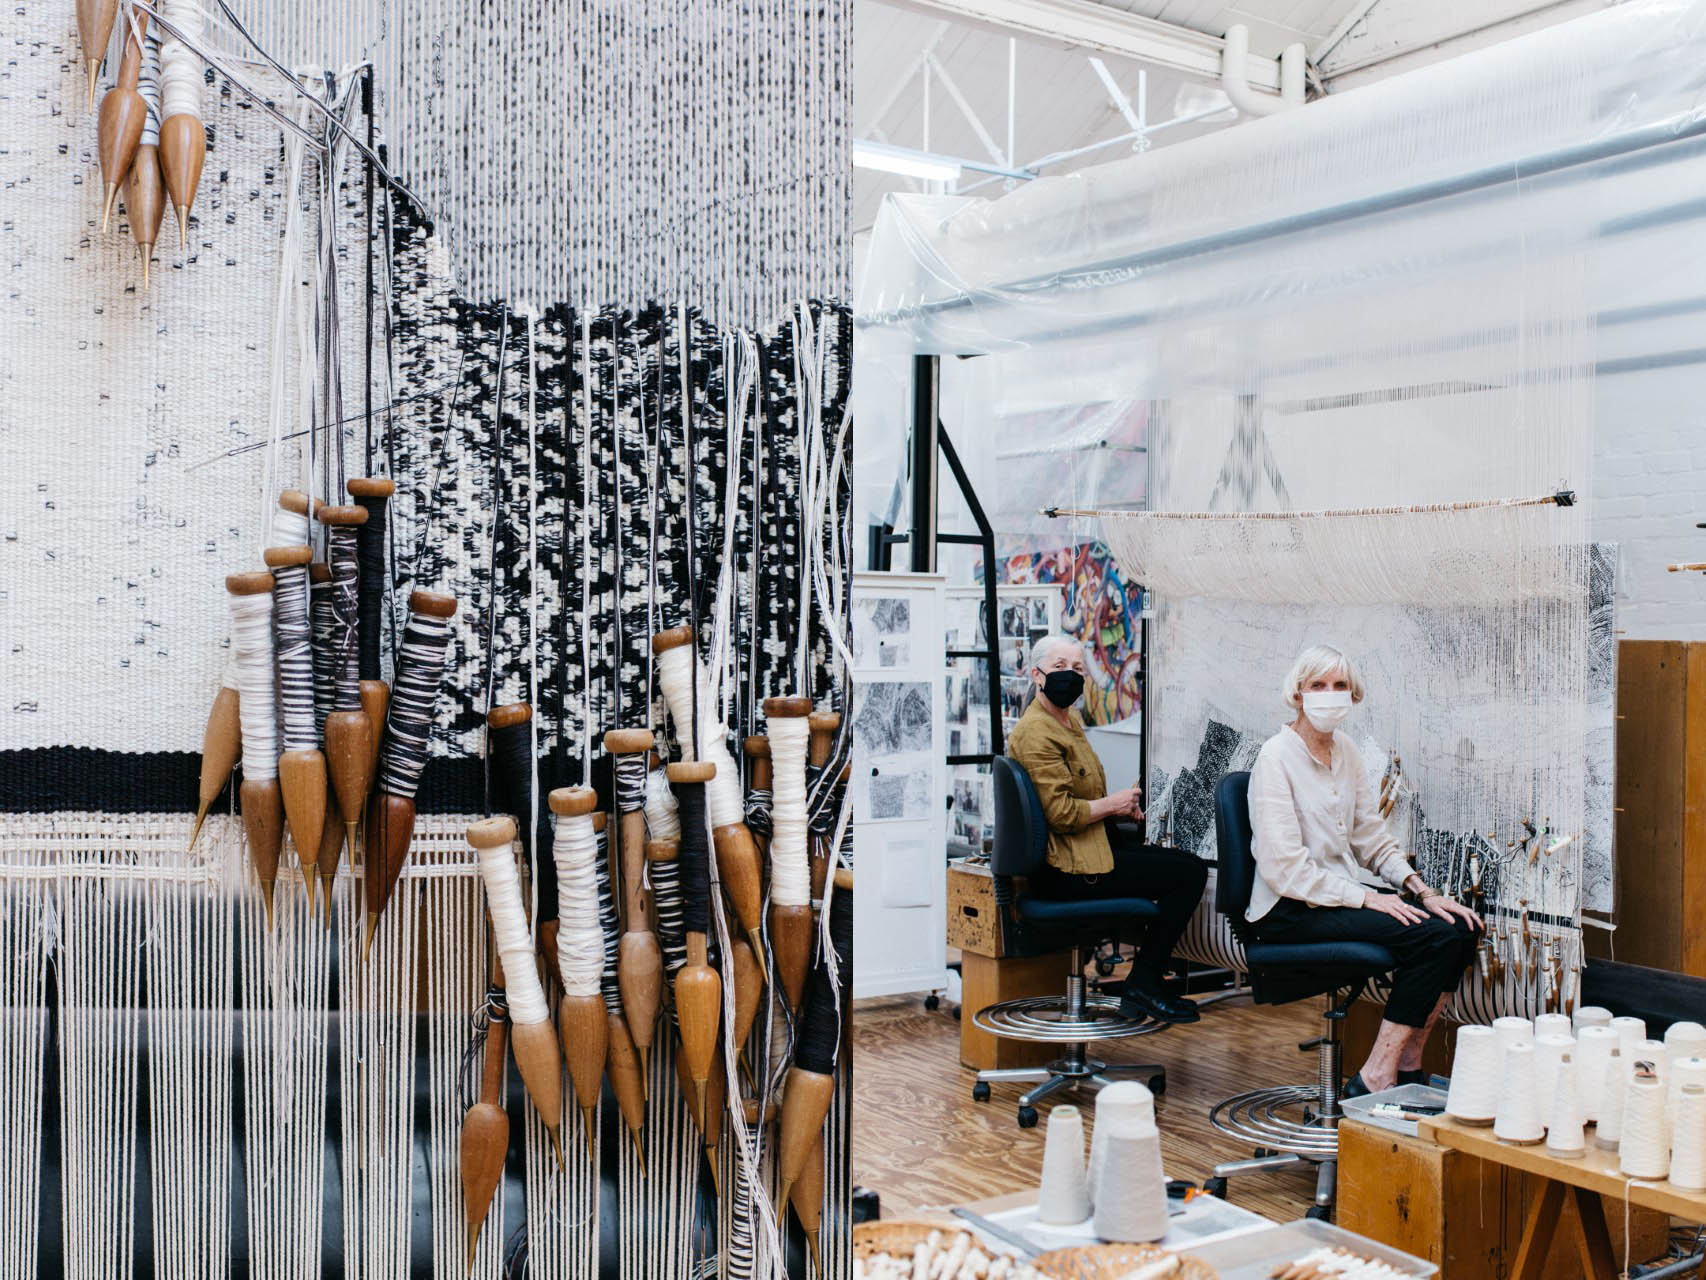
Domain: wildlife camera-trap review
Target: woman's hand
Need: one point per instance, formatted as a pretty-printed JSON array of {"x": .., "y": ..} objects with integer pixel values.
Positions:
[
  {"x": 1450, "y": 910},
  {"x": 1392, "y": 905},
  {"x": 1117, "y": 804}
]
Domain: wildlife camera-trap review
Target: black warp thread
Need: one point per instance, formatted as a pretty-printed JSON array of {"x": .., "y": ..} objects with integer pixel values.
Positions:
[
  {"x": 695, "y": 858},
  {"x": 370, "y": 586},
  {"x": 514, "y": 786}
]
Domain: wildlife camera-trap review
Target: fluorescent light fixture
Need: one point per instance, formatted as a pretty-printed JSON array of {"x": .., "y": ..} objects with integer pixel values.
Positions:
[{"x": 904, "y": 161}]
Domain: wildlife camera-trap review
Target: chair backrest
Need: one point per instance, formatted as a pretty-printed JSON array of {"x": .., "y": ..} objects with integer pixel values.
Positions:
[
  {"x": 1021, "y": 829},
  {"x": 1235, "y": 874}
]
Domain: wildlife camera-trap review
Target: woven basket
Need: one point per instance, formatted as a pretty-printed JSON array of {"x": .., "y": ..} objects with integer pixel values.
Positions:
[
  {"x": 1114, "y": 1262},
  {"x": 899, "y": 1237}
]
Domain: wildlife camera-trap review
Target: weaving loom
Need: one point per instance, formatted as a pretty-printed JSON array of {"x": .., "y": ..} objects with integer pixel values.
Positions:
[{"x": 538, "y": 531}]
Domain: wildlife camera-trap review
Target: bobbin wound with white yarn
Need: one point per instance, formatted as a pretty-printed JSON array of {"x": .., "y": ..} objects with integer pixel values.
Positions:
[
  {"x": 1126, "y": 1103},
  {"x": 1688, "y": 1136},
  {"x": 1130, "y": 1196},
  {"x": 790, "y": 863},
  {"x": 580, "y": 936},
  {"x": 1518, "y": 1120},
  {"x": 1608, "y": 1126},
  {"x": 509, "y": 933},
  {"x": 675, "y": 668},
  {"x": 1564, "y": 1136},
  {"x": 1473, "y": 1097},
  {"x": 1645, "y": 1149},
  {"x": 1064, "y": 1197},
  {"x": 1594, "y": 1043}
]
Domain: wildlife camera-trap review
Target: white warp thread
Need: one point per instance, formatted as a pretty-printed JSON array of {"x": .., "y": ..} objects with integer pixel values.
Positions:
[
  {"x": 509, "y": 927},
  {"x": 675, "y": 678},
  {"x": 663, "y": 816},
  {"x": 252, "y": 671},
  {"x": 790, "y": 866},
  {"x": 580, "y": 940}
]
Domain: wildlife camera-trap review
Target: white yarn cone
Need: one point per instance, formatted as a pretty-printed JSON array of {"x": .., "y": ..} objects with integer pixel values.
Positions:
[
  {"x": 1549, "y": 1051},
  {"x": 1630, "y": 1032},
  {"x": 1590, "y": 1015},
  {"x": 1645, "y": 1149},
  {"x": 1553, "y": 1024},
  {"x": 1687, "y": 1071},
  {"x": 1682, "y": 1040},
  {"x": 1518, "y": 1120},
  {"x": 1653, "y": 1051},
  {"x": 1065, "y": 1194},
  {"x": 1594, "y": 1044},
  {"x": 1688, "y": 1137},
  {"x": 1123, "y": 1104},
  {"x": 1564, "y": 1135},
  {"x": 1608, "y": 1128},
  {"x": 1513, "y": 1030},
  {"x": 1131, "y": 1193},
  {"x": 1473, "y": 1097}
]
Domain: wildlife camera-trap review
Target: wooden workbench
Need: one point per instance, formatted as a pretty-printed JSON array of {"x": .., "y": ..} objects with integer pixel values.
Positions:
[{"x": 1564, "y": 1182}]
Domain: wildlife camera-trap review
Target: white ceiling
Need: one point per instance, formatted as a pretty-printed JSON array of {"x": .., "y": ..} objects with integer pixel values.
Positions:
[{"x": 1060, "y": 104}]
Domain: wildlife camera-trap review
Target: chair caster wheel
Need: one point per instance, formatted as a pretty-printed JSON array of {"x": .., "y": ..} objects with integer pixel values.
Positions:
[
  {"x": 1027, "y": 1117},
  {"x": 1262, "y": 1153},
  {"x": 932, "y": 1002},
  {"x": 1215, "y": 1187},
  {"x": 1158, "y": 1086},
  {"x": 980, "y": 1091},
  {"x": 956, "y": 1013},
  {"x": 1320, "y": 1212}
]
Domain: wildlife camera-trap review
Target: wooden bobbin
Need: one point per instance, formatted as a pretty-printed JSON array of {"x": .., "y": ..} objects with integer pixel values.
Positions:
[
  {"x": 583, "y": 1021},
  {"x": 533, "y": 1043},
  {"x": 331, "y": 848},
  {"x": 824, "y": 725},
  {"x": 748, "y": 976},
  {"x": 123, "y": 114},
  {"x": 390, "y": 828},
  {"x": 485, "y": 1138},
  {"x": 302, "y": 771},
  {"x": 623, "y": 1068},
  {"x": 145, "y": 202},
  {"x": 698, "y": 987},
  {"x": 791, "y": 927},
  {"x": 757, "y": 751},
  {"x": 262, "y": 801},
  {"x": 95, "y": 19},
  {"x": 639, "y": 959},
  {"x": 805, "y": 1103},
  {"x": 183, "y": 151},
  {"x": 375, "y": 693},
  {"x": 221, "y": 746},
  {"x": 674, "y": 638},
  {"x": 806, "y": 1195},
  {"x": 707, "y": 1117}
]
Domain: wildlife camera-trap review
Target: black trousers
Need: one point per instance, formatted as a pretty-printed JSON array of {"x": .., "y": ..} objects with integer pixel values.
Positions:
[
  {"x": 1170, "y": 878},
  {"x": 1431, "y": 956}
]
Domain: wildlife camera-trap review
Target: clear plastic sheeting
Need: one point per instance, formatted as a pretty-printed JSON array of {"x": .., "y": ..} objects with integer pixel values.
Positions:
[{"x": 1474, "y": 283}]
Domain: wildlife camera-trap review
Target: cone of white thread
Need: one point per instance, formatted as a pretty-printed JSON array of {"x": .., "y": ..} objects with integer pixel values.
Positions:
[
  {"x": 1608, "y": 1127},
  {"x": 1564, "y": 1135},
  {"x": 1682, "y": 1040},
  {"x": 1590, "y": 1015},
  {"x": 1125, "y": 1103},
  {"x": 1473, "y": 1097},
  {"x": 1594, "y": 1044},
  {"x": 1630, "y": 1032},
  {"x": 1065, "y": 1194},
  {"x": 1645, "y": 1149},
  {"x": 1653, "y": 1051},
  {"x": 1518, "y": 1120},
  {"x": 1553, "y": 1024},
  {"x": 1549, "y": 1051},
  {"x": 1131, "y": 1192},
  {"x": 1688, "y": 1135}
]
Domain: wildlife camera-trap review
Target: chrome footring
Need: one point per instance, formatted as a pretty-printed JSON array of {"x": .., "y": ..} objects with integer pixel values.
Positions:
[
  {"x": 1282, "y": 1118},
  {"x": 1045, "y": 1018}
]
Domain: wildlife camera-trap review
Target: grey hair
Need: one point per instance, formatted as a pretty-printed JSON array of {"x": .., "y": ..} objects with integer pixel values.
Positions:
[
  {"x": 1316, "y": 661},
  {"x": 1043, "y": 647}
]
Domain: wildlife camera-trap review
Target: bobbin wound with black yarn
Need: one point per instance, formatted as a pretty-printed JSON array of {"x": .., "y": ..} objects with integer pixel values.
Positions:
[
  {"x": 811, "y": 1080},
  {"x": 371, "y": 493},
  {"x": 351, "y": 738},
  {"x": 698, "y": 988}
]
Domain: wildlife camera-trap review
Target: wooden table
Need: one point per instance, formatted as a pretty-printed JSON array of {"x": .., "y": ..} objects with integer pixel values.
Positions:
[{"x": 1580, "y": 1182}]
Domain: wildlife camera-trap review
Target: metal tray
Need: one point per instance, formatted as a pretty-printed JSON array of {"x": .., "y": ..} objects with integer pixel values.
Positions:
[
  {"x": 1257, "y": 1254},
  {"x": 1405, "y": 1095}
]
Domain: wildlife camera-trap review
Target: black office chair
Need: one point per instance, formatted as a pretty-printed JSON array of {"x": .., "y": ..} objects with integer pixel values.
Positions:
[
  {"x": 1292, "y": 1125},
  {"x": 1033, "y": 927}
]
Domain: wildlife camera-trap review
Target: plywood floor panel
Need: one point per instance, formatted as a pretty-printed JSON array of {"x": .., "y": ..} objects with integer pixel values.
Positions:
[{"x": 920, "y": 1141}]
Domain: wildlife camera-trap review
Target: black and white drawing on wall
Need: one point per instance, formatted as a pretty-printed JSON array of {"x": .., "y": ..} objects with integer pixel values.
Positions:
[
  {"x": 882, "y": 632},
  {"x": 1015, "y": 619},
  {"x": 1039, "y": 619},
  {"x": 970, "y": 812},
  {"x": 894, "y": 745}
]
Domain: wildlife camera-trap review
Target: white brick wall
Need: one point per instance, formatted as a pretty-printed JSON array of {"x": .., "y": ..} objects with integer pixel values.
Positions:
[{"x": 1649, "y": 490}]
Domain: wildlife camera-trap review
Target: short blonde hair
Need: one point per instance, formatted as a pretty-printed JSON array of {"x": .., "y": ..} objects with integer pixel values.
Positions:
[{"x": 1316, "y": 661}]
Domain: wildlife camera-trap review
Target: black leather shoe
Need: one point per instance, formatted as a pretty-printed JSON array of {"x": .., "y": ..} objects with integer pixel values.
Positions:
[
  {"x": 1355, "y": 1088},
  {"x": 1137, "y": 1003}
]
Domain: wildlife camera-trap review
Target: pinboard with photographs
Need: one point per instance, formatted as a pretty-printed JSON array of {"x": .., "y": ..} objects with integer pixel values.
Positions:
[
  {"x": 899, "y": 776},
  {"x": 1024, "y": 614}
]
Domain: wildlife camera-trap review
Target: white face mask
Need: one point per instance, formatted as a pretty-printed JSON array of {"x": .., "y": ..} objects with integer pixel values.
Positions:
[{"x": 1327, "y": 710}]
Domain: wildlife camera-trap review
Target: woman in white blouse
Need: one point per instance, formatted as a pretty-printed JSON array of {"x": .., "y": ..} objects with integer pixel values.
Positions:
[{"x": 1317, "y": 827}]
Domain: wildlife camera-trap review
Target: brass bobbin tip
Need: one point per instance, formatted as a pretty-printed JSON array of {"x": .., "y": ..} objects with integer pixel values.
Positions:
[
  {"x": 639, "y": 1151},
  {"x": 589, "y": 1122},
  {"x": 183, "y": 227},
  {"x": 107, "y": 209},
  {"x": 367, "y": 943},
  {"x": 473, "y": 1244},
  {"x": 200, "y": 817},
  {"x": 711, "y": 1164},
  {"x": 556, "y": 1132},
  {"x": 266, "y": 897}
]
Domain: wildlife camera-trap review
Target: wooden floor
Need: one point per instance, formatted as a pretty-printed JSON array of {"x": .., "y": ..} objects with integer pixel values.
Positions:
[{"x": 920, "y": 1141}]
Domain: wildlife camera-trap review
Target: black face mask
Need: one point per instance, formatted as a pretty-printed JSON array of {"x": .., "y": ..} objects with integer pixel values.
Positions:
[{"x": 1063, "y": 688}]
